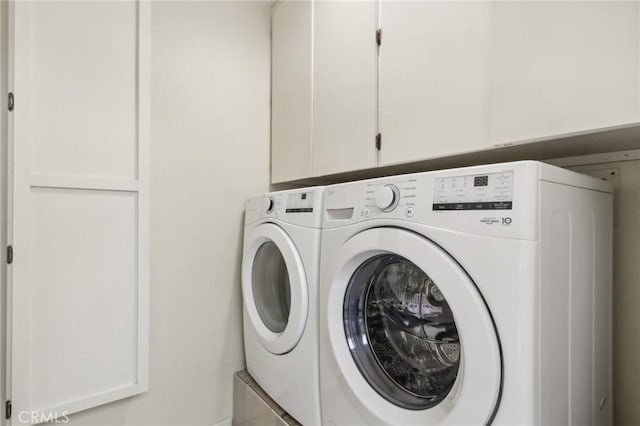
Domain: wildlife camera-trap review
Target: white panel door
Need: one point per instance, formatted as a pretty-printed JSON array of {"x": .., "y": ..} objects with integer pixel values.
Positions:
[
  {"x": 434, "y": 79},
  {"x": 79, "y": 152},
  {"x": 344, "y": 85},
  {"x": 291, "y": 88}
]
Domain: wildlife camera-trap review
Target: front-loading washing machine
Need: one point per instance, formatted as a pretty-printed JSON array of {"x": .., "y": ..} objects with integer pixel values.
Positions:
[
  {"x": 471, "y": 296},
  {"x": 280, "y": 270}
]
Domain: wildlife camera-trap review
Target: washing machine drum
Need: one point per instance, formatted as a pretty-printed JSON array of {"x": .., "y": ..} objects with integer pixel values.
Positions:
[
  {"x": 271, "y": 287},
  {"x": 413, "y": 353}
]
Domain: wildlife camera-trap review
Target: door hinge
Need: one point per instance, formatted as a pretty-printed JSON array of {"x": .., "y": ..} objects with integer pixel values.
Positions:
[
  {"x": 9, "y": 255},
  {"x": 7, "y": 409},
  {"x": 379, "y": 141},
  {"x": 379, "y": 37},
  {"x": 11, "y": 101}
]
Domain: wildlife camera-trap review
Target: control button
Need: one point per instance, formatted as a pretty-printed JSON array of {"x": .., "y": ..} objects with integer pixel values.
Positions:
[
  {"x": 387, "y": 197},
  {"x": 267, "y": 204},
  {"x": 366, "y": 212},
  {"x": 409, "y": 212}
]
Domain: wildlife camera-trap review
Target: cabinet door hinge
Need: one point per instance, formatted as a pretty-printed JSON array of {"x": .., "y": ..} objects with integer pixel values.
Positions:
[
  {"x": 9, "y": 255},
  {"x": 379, "y": 141},
  {"x": 11, "y": 101},
  {"x": 7, "y": 409},
  {"x": 379, "y": 37}
]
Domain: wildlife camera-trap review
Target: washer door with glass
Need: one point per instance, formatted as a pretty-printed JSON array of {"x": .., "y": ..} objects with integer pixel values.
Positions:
[
  {"x": 417, "y": 343},
  {"x": 274, "y": 288}
]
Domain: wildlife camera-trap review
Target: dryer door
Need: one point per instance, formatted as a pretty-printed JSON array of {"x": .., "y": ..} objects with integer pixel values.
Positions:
[
  {"x": 416, "y": 344},
  {"x": 274, "y": 288}
]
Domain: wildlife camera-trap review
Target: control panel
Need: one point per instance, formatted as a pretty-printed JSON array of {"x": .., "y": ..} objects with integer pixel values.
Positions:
[
  {"x": 295, "y": 202},
  {"x": 300, "y": 202},
  {"x": 298, "y": 207},
  {"x": 492, "y": 191},
  {"x": 497, "y": 200}
]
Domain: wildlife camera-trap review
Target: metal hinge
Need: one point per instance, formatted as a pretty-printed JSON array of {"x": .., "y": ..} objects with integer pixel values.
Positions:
[
  {"x": 379, "y": 37},
  {"x": 378, "y": 141},
  {"x": 7, "y": 409},
  {"x": 11, "y": 101},
  {"x": 9, "y": 255}
]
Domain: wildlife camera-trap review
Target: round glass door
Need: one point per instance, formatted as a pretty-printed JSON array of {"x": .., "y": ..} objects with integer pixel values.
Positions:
[
  {"x": 271, "y": 287},
  {"x": 274, "y": 288},
  {"x": 409, "y": 332},
  {"x": 405, "y": 339}
]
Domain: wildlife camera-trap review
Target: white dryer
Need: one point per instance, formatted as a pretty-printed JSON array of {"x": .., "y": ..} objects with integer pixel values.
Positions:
[
  {"x": 280, "y": 270},
  {"x": 464, "y": 297}
]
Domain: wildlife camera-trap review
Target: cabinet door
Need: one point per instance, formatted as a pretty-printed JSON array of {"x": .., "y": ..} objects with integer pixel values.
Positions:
[
  {"x": 344, "y": 86},
  {"x": 434, "y": 79},
  {"x": 291, "y": 53},
  {"x": 79, "y": 139},
  {"x": 563, "y": 67}
]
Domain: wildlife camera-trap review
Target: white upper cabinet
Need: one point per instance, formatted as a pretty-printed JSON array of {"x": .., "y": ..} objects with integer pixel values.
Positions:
[
  {"x": 434, "y": 79},
  {"x": 344, "y": 86},
  {"x": 448, "y": 78},
  {"x": 563, "y": 67},
  {"x": 291, "y": 86}
]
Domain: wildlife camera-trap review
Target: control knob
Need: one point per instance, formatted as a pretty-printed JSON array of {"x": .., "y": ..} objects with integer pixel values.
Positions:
[
  {"x": 387, "y": 197},
  {"x": 267, "y": 204}
]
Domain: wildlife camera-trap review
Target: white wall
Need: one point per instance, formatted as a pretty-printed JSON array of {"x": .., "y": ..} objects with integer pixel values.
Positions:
[{"x": 210, "y": 150}]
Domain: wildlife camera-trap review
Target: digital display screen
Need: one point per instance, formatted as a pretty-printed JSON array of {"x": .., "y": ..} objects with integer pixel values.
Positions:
[
  {"x": 481, "y": 181},
  {"x": 304, "y": 196}
]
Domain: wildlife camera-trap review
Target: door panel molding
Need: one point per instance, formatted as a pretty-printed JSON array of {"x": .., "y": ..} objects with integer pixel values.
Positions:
[{"x": 72, "y": 206}]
